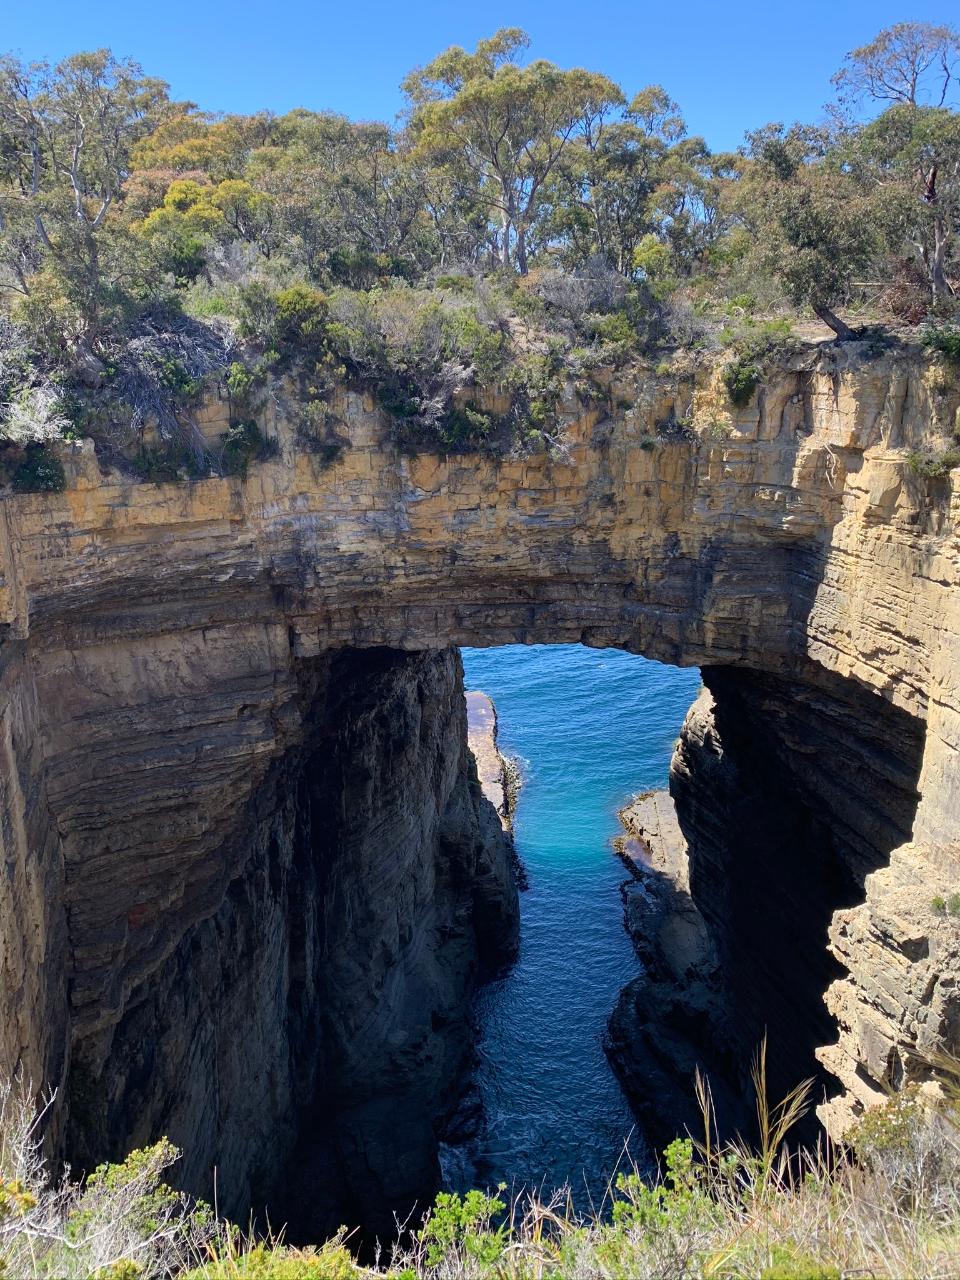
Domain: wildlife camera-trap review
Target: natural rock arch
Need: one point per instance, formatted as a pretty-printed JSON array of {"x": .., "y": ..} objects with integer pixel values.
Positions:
[{"x": 170, "y": 665}]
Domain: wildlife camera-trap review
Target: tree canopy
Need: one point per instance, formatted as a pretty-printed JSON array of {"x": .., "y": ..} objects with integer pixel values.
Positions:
[{"x": 140, "y": 235}]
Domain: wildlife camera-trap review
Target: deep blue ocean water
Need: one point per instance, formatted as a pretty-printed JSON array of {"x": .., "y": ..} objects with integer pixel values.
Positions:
[{"x": 590, "y": 727}]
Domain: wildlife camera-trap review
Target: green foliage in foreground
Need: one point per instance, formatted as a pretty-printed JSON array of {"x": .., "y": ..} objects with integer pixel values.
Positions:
[{"x": 889, "y": 1206}]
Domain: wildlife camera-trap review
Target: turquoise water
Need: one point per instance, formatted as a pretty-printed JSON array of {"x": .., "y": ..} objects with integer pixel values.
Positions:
[{"x": 590, "y": 727}]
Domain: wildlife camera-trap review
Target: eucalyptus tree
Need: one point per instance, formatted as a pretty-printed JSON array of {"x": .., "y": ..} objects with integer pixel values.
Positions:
[
  {"x": 504, "y": 127},
  {"x": 911, "y": 153},
  {"x": 813, "y": 226},
  {"x": 66, "y": 138},
  {"x": 601, "y": 196},
  {"x": 911, "y": 156},
  {"x": 910, "y": 62}
]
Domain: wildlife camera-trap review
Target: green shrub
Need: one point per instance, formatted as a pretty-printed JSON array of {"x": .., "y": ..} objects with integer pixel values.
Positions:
[
  {"x": 464, "y": 1224},
  {"x": 465, "y": 335},
  {"x": 938, "y": 905},
  {"x": 932, "y": 466},
  {"x": 39, "y": 472},
  {"x": 889, "y": 1129},
  {"x": 754, "y": 344},
  {"x": 173, "y": 376},
  {"x": 245, "y": 443},
  {"x": 300, "y": 318},
  {"x": 240, "y": 381},
  {"x": 741, "y": 378},
  {"x": 943, "y": 338},
  {"x": 787, "y": 1263},
  {"x": 953, "y": 904},
  {"x": 165, "y": 463},
  {"x": 276, "y": 1262},
  {"x": 458, "y": 284},
  {"x": 614, "y": 328},
  {"x": 466, "y": 426},
  {"x": 715, "y": 430}
]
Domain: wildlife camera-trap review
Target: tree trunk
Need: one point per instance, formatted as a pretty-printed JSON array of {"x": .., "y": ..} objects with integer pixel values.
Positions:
[
  {"x": 938, "y": 276},
  {"x": 522, "y": 250},
  {"x": 505, "y": 245},
  {"x": 842, "y": 330}
]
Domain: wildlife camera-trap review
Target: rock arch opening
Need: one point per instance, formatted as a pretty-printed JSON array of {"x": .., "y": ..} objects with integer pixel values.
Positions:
[{"x": 171, "y": 654}]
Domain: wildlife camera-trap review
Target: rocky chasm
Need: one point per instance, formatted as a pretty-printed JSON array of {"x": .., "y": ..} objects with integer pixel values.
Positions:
[{"x": 250, "y": 877}]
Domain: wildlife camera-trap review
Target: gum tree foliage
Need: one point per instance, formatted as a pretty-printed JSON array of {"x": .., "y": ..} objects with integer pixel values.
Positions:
[
  {"x": 507, "y": 125},
  {"x": 911, "y": 156},
  {"x": 66, "y": 137},
  {"x": 910, "y": 62},
  {"x": 813, "y": 226},
  {"x": 349, "y": 196},
  {"x": 912, "y": 151},
  {"x": 134, "y": 231},
  {"x": 602, "y": 196}
]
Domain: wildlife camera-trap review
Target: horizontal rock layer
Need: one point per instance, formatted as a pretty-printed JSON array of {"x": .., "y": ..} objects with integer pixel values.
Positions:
[
  {"x": 279, "y": 889},
  {"x": 165, "y": 649}
]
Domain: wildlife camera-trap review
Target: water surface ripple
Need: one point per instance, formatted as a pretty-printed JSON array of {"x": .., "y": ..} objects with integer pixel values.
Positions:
[{"x": 590, "y": 727}]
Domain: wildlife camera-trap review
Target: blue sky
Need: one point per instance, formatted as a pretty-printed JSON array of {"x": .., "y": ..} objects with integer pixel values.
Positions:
[{"x": 731, "y": 66}]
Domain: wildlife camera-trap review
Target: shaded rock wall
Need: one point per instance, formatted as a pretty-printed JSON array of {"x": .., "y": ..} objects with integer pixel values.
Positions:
[
  {"x": 789, "y": 795},
  {"x": 291, "y": 1006},
  {"x": 34, "y": 947}
]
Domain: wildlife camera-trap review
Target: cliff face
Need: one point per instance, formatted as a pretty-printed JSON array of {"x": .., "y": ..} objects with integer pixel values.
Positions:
[
  {"x": 788, "y": 798},
  {"x": 174, "y": 677},
  {"x": 279, "y": 892}
]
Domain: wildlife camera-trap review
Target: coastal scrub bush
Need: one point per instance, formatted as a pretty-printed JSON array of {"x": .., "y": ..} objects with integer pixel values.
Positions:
[
  {"x": 245, "y": 443},
  {"x": 276, "y": 1261},
  {"x": 40, "y": 471},
  {"x": 756, "y": 345},
  {"x": 420, "y": 352},
  {"x": 289, "y": 324},
  {"x": 931, "y": 465},
  {"x": 35, "y": 415},
  {"x": 461, "y": 1226},
  {"x": 886, "y": 1205},
  {"x": 241, "y": 381},
  {"x": 943, "y": 338},
  {"x": 123, "y": 1222},
  {"x": 741, "y": 378}
]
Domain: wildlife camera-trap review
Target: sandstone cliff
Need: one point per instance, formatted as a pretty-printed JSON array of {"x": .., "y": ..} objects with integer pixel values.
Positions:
[
  {"x": 283, "y": 886},
  {"x": 165, "y": 649}
]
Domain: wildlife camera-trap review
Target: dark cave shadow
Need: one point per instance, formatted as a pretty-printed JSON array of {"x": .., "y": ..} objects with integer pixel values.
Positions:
[{"x": 815, "y": 784}]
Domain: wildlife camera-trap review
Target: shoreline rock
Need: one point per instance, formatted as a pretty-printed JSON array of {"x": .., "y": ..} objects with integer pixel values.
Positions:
[
  {"x": 499, "y": 775},
  {"x": 493, "y": 770},
  {"x": 662, "y": 1029}
]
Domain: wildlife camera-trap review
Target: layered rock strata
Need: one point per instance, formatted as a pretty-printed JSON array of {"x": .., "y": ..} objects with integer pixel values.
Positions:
[
  {"x": 166, "y": 649},
  {"x": 281, "y": 885},
  {"x": 788, "y": 797}
]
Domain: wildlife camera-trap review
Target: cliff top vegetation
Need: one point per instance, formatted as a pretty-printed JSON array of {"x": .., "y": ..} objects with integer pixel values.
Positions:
[
  {"x": 888, "y": 1205},
  {"x": 521, "y": 225}
]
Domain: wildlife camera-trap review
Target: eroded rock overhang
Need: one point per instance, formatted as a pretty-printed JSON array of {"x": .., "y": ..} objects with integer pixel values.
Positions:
[{"x": 789, "y": 538}]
